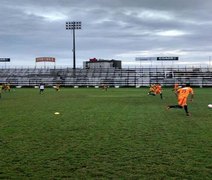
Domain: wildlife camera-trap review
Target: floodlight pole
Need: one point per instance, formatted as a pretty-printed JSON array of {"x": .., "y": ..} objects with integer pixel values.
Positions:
[
  {"x": 74, "y": 52},
  {"x": 72, "y": 26}
]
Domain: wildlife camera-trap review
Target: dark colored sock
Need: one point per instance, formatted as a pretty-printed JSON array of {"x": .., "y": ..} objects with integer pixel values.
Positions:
[
  {"x": 161, "y": 96},
  {"x": 175, "y": 106},
  {"x": 186, "y": 109}
]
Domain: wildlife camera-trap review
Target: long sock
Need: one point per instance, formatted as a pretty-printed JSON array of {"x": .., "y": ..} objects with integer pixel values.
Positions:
[
  {"x": 186, "y": 109},
  {"x": 161, "y": 96},
  {"x": 150, "y": 93},
  {"x": 175, "y": 106}
]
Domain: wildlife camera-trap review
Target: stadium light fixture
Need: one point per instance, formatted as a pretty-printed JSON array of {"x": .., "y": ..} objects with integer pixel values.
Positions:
[{"x": 72, "y": 26}]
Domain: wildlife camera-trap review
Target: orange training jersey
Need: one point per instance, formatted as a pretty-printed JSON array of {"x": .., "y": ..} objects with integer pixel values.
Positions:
[
  {"x": 158, "y": 89},
  {"x": 152, "y": 88},
  {"x": 176, "y": 86},
  {"x": 184, "y": 92}
]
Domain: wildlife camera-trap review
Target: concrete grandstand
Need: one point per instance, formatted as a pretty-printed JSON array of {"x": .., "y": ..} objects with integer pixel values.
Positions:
[{"x": 125, "y": 77}]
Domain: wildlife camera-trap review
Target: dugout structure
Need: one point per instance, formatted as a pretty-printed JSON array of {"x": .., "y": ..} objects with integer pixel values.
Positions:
[{"x": 125, "y": 77}]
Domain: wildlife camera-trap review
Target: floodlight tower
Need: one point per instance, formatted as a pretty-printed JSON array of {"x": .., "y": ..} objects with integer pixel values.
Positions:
[{"x": 72, "y": 26}]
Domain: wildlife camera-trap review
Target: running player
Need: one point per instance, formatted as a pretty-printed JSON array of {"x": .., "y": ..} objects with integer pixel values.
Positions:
[
  {"x": 6, "y": 87},
  {"x": 104, "y": 87},
  {"x": 176, "y": 87},
  {"x": 41, "y": 88},
  {"x": 156, "y": 89},
  {"x": 57, "y": 87},
  {"x": 182, "y": 95},
  {"x": 152, "y": 90},
  {"x": 1, "y": 87}
]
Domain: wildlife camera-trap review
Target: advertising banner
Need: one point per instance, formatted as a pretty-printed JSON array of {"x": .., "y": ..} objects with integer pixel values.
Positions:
[
  {"x": 45, "y": 59},
  {"x": 145, "y": 58},
  {"x": 4, "y": 59},
  {"x": 167, "y": 58}
]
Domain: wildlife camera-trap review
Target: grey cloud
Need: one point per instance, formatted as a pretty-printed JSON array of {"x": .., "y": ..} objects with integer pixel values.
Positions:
[{"x": 109, "y": 28}]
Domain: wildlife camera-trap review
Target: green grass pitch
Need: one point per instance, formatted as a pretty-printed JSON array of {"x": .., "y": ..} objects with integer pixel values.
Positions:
[{"x": 118, "y": 134}]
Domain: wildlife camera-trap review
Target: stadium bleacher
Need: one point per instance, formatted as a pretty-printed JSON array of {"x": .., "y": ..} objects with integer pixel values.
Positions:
[{"x": 112, "y": 77}]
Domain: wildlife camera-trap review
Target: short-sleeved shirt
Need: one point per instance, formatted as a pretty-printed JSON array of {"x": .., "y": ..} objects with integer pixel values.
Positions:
[
  {"x": 41, "y": 86},
  {"x": 158, "y": 89},
  {"x": 184, "y": 92},
  {"x": 176, "y": 86}
]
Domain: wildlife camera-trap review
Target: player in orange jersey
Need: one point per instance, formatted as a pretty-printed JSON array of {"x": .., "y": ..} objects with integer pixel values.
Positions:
[
  {"x": 182, "y": 95},
  {"x": 152, "y": 90},
  {"x": 176, "y": 87},
  {"x": 156, "y": 89},
  {"x": 7, "y": 88},
  {"x": 57, "y": 87},
  {"x": 104, "y": 87},
  {"x": 1, "y": 87}
]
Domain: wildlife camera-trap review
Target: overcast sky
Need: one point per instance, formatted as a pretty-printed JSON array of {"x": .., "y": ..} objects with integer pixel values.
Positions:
[{"x": 111, "y": 29}]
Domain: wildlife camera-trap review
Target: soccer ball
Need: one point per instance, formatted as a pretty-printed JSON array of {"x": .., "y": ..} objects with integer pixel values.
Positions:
[{"x": 209, "y": 105}]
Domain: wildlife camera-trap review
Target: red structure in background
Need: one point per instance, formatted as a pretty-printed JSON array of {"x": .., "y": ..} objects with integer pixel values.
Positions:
[{"x": 93, "y": 60}]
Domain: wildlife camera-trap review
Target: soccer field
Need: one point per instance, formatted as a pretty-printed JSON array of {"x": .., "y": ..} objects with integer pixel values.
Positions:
[{"x": 115, "y": 134}]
